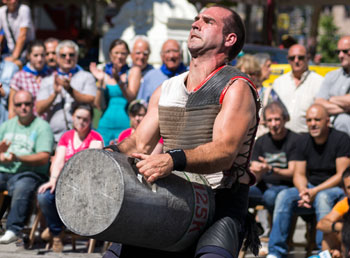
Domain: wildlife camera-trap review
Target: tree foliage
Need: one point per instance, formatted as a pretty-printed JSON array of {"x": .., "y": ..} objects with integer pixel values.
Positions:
[{"x": 328, "y": 40}]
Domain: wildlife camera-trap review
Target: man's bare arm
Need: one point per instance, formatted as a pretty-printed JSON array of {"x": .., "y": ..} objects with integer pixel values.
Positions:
[
  {"x": 299, "y": 177},
  {"x": 332, "y": 108},
  {"x": 286, "y": 172},
  {"x": 342, "y": 101},
  {"x": 325, "y": 224},
  {"x": 16, "y": 53}
]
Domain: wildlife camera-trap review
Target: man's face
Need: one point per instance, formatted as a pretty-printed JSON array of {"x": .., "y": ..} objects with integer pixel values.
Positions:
[
  {"x": 347, "y": 186},
  {"x": 317, "y": 121},
  {"x": 344, "y": 52},
  {"x": 37, "y": 58},
  {"x": 11, "y": 5},
  {"x": 171, "y": 55},
  {"x": 297, "y": 59},
  {"x": 140, "y": 54},
  {"x": 67, "y": 58},
  {"x": 275, "y": 122},
  {"x": 207, "y": 31},
  {"x": 23, "y": 105},
  {"x": 51, "y": 54}
]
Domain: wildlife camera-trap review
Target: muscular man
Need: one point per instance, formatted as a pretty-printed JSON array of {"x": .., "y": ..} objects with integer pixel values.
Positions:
[
  {"x": 207, "y": 118},
  {"x": 297, "y": 88},
  {"x": 334, "y": 94},
  {"x": 322, "y": 156},
  {"x": 171, "y": 55}
]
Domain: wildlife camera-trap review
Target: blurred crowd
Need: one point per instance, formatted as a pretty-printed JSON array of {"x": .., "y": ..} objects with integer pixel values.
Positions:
[{"x": 48, "y": 101}]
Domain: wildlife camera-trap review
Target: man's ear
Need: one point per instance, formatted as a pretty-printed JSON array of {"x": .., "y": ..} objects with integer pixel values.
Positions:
[{"x": 230, "y": 39}]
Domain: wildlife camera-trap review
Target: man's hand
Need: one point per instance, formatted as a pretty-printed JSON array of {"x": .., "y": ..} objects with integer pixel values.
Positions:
[
  {"x": 4, "y": 145},
  {"x": 7, "y": 158},
  {"x": 307, "y": 196},
  {"x": 57, "y": 87},
  {"x": 64, "y": 82},
  {"x": 153, "y": 167},
  {"x": 260, "y": 166}
]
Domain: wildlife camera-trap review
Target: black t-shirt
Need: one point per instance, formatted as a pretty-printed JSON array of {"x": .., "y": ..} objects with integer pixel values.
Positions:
[
  {"x": 277, "y": 154},
  {"x": 321, "y": 159}
]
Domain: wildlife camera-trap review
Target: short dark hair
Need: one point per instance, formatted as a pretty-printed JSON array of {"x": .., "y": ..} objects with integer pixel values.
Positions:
[
  {"x": 274, "y": 107},
  {"x": 50, "y": 40},
  {"x": 135, "y": 106},
  {"x": 79, "y": 105},
  {"x": 234, "y": 24},
  {"x": 32, "y": 44},
  {"x": 345, "y": 174},
  {"x": 118, "y": 42}
]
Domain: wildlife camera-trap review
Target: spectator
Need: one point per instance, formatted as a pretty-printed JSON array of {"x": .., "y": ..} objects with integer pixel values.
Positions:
[
  {"x": 137, "y": 110},
  {"x": 265, "y": 63},
  {"x": 140, "y": 53},
  {"x": 297, "y": 89},
  {"x": 25, "y": 147},
  {"x": 334, "y": 94},
  {"x": 16, "y": 21},
  {"x": 273, "y": 156},
  {"x": 7, "y": 70},
  {"x": 113, "y": 93},
  {"x": 29, "y": 78},
  {"x": 322, "y": 156},
  {"x": 250, "y": 65},
  {"x": 50, "y": 49},
  {"x": 171, "y": 56},
  {"x": 64, "y": 87},
  {"x": 331, "y": 225},
  {"x": 71, "y": 142}
]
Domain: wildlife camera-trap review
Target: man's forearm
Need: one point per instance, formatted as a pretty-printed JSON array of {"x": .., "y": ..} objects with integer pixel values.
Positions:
[
  {"x": 300, "y": 182},
  {"x": 37, "y": 159},
  {"x": 16, "y": 53},
  {"x": 342, "y": 101},
  {"x": 332, "y": 108},
  {"x": 330, "y": 182},
  {"x": 43, "y": 105},
  {"x": 83, "y": 98}
]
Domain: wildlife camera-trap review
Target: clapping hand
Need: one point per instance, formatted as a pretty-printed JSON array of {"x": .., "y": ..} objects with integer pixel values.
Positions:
[{"x": 4, "y": 145}]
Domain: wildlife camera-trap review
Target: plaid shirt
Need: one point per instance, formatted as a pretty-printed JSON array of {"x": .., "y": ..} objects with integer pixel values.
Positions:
[{"x": 23, "y": 80}]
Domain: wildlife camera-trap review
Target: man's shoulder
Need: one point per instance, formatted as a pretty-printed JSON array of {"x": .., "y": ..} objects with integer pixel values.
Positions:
[
  {"x": 23, "y": 8},
  {"x": 282, "y": 78},
  {"x": 3, "y": 9},
  {"x": 9, "y": 122},
  {"x": 82, "y": 75},
  {"x": 334, "y": 74},
  {"x": 313, "y": 75},
  {"x": 336, "y": 134},
  {"x": 153, "y": 73}
]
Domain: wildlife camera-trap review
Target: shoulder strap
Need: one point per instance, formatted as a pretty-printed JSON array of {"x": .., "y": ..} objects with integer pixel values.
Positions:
[{"x": 9, "y": 27}]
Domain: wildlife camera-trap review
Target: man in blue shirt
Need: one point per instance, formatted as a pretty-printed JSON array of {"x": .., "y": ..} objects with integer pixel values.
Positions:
[{"x": 171, "y": 55}]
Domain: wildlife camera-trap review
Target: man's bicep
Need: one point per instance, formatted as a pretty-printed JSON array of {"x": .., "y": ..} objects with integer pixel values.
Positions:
[
  {"x": 300, "y": 168},
  {"x": 341, "y": 164},
  {"x": 237, "y": 114}
]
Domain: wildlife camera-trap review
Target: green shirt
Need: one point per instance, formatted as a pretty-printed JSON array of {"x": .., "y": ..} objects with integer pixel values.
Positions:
[{"x": 26, "y": 140}]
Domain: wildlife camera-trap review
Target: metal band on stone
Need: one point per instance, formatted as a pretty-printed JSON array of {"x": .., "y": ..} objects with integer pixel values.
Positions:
[{"x": 179, "y": 159}]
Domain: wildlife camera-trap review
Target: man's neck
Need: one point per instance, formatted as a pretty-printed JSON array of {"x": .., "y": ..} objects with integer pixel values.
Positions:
[
  {"x": 201, "y": 68},
  {"x": 26, "y": 121},
  {"x": 281, "y": 136},
  {"x": 321, "y": 139}
]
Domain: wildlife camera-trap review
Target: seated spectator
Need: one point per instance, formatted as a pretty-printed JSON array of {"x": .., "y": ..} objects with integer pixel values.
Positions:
[
  {"x": 322, "y": 156},
  {"x": 113, "y": 93},
  {"x": 71, "y": 142},
  {"x": 334, "y": 93},
  {"x": 29, "y": 78},
  {"x": 7, "y": 71},
  {"x": 171, "y": 56},
  {"x": 25, "y": 147},
  {"x": 139, "y": 55},
  {"x": 273, "y": 157},
  {"x": 331, "y": 225},
  {"x": 297, "y": 89},
  {"x": 64, "y": 87},
  {"x": 50, "y": 50},
  {"x": 345, "y": 235},
  {"x": 137, "y": 110},
  {"x": 16, "y": 21}
]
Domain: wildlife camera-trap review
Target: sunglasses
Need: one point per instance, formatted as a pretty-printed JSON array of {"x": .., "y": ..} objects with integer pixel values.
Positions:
[
  {"x": 292, "y": 58},
  {"x": 344, "y": 51},
  {"x": 71, "y": 55},
  {"x": 19, "y": 104}
]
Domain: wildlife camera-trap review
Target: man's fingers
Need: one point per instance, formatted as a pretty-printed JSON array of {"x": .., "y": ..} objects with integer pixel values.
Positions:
[{"x": 139, "y": 156}]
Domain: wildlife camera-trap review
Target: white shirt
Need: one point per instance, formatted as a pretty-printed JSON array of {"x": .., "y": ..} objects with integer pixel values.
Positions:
[{"x": 297, "y": 99}]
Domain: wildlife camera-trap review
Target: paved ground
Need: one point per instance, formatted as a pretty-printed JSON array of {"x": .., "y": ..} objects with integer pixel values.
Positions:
[{"x": 18, "y": 251}]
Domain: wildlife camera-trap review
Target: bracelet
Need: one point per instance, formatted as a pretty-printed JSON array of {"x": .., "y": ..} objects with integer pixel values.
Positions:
[
  {"x": 333, "y": 227},
  {"x": 113, "y": 147},
  {"x": 179, "y": 159}
]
